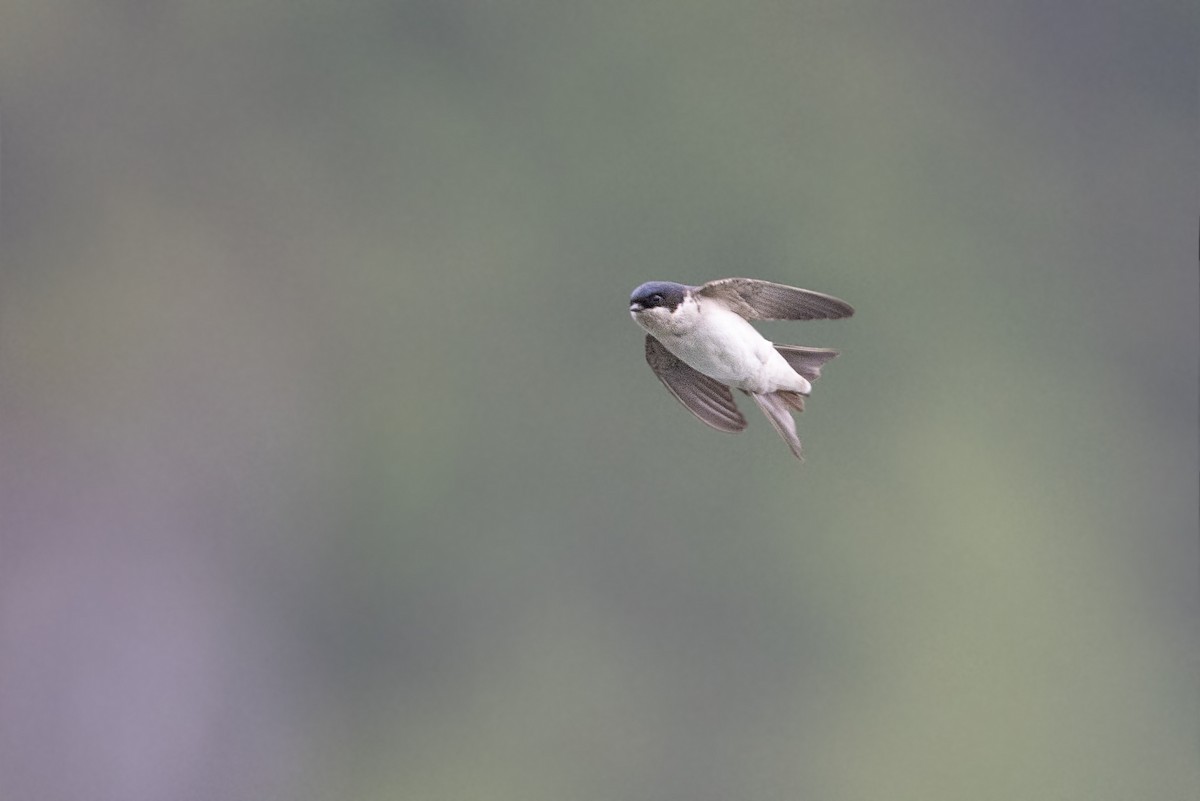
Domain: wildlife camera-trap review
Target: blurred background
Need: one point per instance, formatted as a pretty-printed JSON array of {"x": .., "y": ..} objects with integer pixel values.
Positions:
[{"x": 331, "y": 466}]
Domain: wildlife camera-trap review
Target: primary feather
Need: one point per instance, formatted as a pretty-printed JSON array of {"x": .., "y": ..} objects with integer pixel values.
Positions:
[{"x": 764, "y": 300}]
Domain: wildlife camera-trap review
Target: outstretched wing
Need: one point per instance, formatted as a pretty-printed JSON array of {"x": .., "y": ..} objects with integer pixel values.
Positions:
[
  {"x": 763, "y": 300},
  {"x": 707, "y": 398}
]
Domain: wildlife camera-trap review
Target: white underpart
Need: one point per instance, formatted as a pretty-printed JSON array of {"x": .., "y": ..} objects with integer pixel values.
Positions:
[{"x": 720, "y": 343}]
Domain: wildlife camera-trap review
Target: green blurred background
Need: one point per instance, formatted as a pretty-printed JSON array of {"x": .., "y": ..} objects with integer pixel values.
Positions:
[{"x": 332, "y": 468}]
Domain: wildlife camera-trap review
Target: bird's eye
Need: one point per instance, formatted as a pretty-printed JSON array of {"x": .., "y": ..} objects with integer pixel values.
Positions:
[{"x": 656, "y": 299}]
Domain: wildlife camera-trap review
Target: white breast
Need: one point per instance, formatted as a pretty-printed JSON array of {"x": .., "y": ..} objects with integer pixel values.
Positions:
[{"x": 721, "y": 344}]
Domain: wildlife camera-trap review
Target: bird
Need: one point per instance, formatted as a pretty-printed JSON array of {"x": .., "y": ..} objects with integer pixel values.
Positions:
[{"x": 700, "y": 344}]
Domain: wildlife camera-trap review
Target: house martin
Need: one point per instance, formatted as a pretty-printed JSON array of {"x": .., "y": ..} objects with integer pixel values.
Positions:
[{"x": 699, "y": 343}]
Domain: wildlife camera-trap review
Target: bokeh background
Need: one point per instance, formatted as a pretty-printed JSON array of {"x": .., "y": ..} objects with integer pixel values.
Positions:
[{"x": 331, "y": 467}]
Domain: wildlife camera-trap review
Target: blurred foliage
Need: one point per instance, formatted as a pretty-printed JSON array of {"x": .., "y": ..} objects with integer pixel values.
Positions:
[{"x": 332, "y": 468}]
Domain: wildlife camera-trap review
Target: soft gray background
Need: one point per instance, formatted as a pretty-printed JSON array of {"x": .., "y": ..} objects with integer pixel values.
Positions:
[{"x": 331, "y": 467}]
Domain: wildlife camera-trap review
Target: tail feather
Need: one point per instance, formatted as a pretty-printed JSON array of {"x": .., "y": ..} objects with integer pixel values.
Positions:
[
  {"x": 806, "y": 361},
  {"x": 793, "y": 399},
  {"x": 777, "y": 406}
]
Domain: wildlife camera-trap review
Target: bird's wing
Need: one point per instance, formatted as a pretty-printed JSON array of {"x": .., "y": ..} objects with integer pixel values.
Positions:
[
  {"x": 763, "y": 300},
  {"x": 707, "y": 398}
]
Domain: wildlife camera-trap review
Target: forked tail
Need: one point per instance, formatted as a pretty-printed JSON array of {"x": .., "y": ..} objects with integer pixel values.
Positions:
[
  {"x": 778, "y": 406},
  {"x": 806, "y": 361}
]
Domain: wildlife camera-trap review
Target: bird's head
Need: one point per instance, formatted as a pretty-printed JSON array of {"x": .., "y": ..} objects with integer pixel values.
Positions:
[{"x": 656, "y": 295}]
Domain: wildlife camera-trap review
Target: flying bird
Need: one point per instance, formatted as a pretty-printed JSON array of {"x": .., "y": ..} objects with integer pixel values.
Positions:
[{"x": 699, "y": 343}]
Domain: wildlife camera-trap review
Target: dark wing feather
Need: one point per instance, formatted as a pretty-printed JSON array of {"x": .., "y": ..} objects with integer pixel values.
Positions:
[
  {"x": 763, "y": 300},
  {"x": 707, "y": 398}
]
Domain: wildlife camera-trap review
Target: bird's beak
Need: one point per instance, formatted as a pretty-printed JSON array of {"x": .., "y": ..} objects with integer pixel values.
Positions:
[{"x": 636, "y": 307}]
